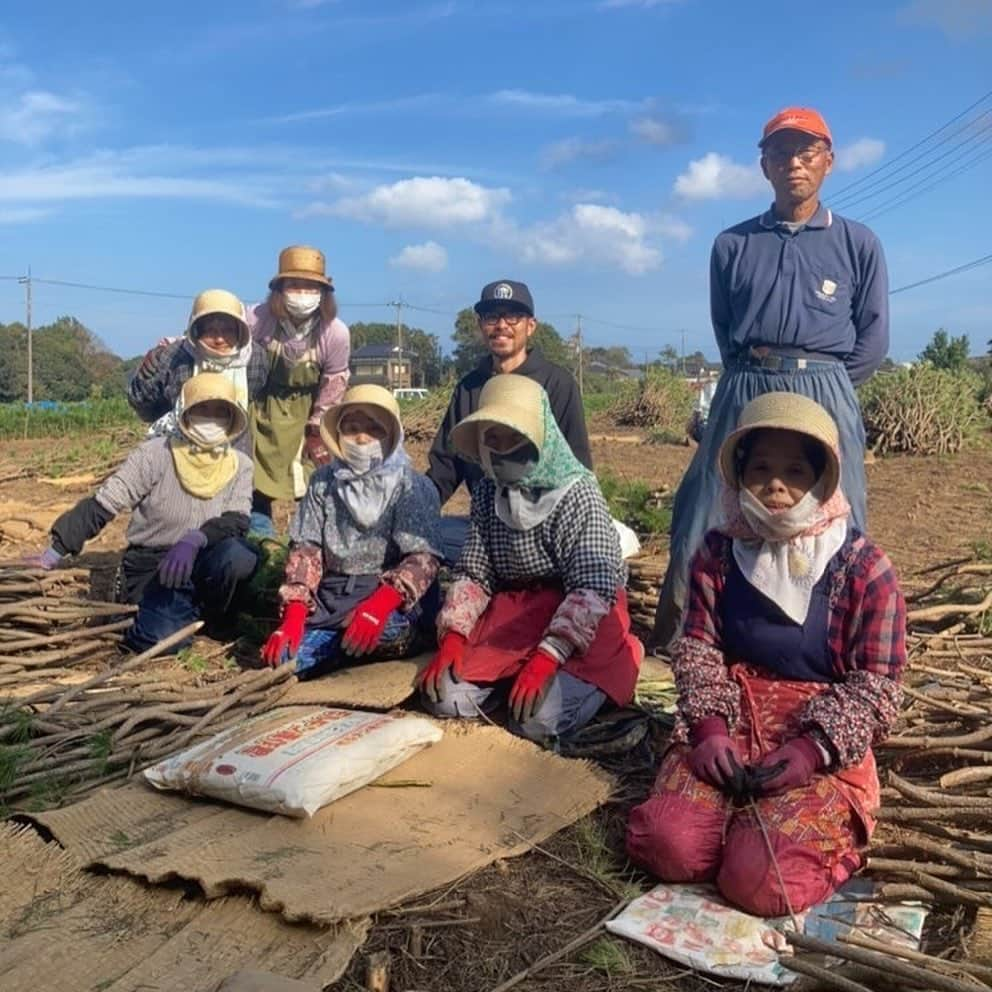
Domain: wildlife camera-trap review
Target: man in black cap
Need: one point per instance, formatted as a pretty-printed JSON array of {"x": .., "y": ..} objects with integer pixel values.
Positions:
[{"x": 506, "y": 320}]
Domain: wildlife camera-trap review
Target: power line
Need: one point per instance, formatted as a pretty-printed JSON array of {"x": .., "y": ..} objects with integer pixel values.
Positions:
[
  {"x": 907, "y": 195},
  {"x": 919, "y": 144},
  {"x": 943, "y": 275},
  {"x": 886, "y": 184},
  {"x": 112, "y": 289}
]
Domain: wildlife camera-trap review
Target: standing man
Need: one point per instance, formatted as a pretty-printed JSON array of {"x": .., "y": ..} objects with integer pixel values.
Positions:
[
  {"x": 799, "y": 302},
  {"x": 506, "y": 321}
]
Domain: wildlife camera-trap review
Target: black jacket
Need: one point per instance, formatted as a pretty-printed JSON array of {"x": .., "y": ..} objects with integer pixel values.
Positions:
[{"x": 447, "y": 471}]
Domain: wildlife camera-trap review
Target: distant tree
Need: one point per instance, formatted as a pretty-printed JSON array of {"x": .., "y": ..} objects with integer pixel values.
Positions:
[
  {"x": 425, "y": 346},
  {"x": 669, "y": 356},
  {"x": 946, "y": 352},
  {"x": 616, "y": 357},
  {"x": 470, "y": 346}
]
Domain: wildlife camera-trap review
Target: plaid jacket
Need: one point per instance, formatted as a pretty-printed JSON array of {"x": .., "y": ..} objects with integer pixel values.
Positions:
[{"x": 866, "y": 639}]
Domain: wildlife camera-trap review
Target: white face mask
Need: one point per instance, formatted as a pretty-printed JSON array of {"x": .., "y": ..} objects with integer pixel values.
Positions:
[
  {"x": 362, "y": 457},
  {"x": 207, "y": 431},
  {"x": 778, "y": 525},
  {"x": 301, "y": 302}
]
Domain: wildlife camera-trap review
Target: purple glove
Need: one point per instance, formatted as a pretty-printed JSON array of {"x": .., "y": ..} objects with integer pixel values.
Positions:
[
  {"x": 797, "y": 762},
  {"x": 176, "y": 568},
  {"x": 714, "y": 758},
  {"x": 47, "y": 559}
]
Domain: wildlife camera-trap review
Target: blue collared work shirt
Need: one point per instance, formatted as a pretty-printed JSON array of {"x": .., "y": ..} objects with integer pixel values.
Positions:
[{"x": 823, "y": 289}]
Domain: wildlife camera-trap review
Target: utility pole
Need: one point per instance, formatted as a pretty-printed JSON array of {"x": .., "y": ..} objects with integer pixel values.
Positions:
[
  {"x": 26, "y": 282},
  {"x": 683, "y": 352},
  {"x": 578, "y": 345},
  {"x": 399, "y": 342}
]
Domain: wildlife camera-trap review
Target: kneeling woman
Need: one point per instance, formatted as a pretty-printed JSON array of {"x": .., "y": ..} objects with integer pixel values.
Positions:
[
  {"x": 537, "y": 609},
  {"x": 189, "y": 495},
  {"x": 364, "y": 545},
  {"x": 788, "y": 673}
]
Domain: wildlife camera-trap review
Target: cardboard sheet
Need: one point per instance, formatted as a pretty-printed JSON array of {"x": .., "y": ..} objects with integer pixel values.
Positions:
[
  {"x": 381, "y": 685},
  {"x": 63, "y": 929},
  {"x": 477, "y": 796}
]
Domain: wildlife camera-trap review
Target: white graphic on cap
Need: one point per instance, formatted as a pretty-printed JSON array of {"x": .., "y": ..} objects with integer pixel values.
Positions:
[{"x": 503, "y": 292}]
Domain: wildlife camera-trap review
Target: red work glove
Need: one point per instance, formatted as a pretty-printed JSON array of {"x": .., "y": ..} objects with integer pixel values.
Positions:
[
  {"x": 532, "y": 684},
  {"x": 797, "y": 762},
  {"x": 284, "y": 641},
  {"x": 369, "y": 618},
  {"x": 313, "y": 445},
  {"x": 450, "y": 655},
  {"x": 714, "y": 758}
]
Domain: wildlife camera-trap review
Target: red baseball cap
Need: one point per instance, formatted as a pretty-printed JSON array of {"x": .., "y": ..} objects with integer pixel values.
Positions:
[{"x": 803, "y": 119}]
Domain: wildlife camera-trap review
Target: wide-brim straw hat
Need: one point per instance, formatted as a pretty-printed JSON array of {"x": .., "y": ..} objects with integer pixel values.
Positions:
[
  {"x": 367, "y": 395},
  {"x": 509, "y": 400},
  {"x": 301, "y": 262},
  {"x": 785, "y": 412},
  {"x": 213, "y": 386},
  {"x": 219, "y": 301}
]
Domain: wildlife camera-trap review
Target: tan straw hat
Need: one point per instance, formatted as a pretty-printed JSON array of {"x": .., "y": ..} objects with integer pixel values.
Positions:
[
  {"x": 367, "y": 395},
  {"x": 510, "y": 400},
  {"x": 785, "y": 412},
  {"x": 219, "y": 301},
  {"x": 301, "y": 262},
  {"x": 213, "y": 386}
]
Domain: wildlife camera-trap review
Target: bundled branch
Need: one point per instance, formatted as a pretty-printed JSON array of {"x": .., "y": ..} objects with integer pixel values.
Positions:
[
  {"x": 75, "y": 713},
  {"x": 69, "y": 740},
  {"x": 646, "y": 573}
]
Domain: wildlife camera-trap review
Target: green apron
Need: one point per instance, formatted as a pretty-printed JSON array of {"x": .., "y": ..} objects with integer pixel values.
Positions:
[{"x": 277, "y": 421}]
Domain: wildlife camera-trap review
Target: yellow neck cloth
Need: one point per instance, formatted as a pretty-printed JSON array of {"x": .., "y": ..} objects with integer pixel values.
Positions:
[{"x": 202, "y": 474}]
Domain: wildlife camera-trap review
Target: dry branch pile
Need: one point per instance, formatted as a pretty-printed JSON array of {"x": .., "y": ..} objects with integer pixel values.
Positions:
[
  {"x": 422, "y": 418},
  {"x": 75, "y": 713},
  {"x": 661, "y": 401},
  {"x": 922, "y": 410}
]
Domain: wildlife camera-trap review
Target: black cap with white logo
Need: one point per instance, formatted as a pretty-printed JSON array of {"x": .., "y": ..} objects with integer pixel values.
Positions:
[{"x": 505, "y": 295}]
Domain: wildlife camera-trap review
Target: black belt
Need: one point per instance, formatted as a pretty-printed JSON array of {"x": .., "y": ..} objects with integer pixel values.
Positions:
[{"x": 788, "y": 359}]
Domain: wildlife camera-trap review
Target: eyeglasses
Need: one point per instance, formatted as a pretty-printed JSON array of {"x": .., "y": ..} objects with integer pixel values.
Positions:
[
  {"x": 512, "y": 319},
  {"x": 807, "y": 154}
]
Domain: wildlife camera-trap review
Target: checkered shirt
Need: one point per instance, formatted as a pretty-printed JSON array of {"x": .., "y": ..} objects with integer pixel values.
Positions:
[{"x": 577, "y": 545}]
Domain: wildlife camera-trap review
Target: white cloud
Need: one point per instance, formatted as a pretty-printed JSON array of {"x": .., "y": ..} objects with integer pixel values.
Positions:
[
  {"x": 105, "y": 178},
  {"x": 672, "y": 228},
  {"x": 416, "y": 101},
  {"x": 958, "y": 19},
  {"x": 594, "y": 234},
  {"x": 657, "y": 130},
  {"x": 562, "y": 152},
  {"x": 716, "y": 177},
  {"x": 423, "y": 201},
  {"x": 23, "y": 215},
  {"x": 428, "y": 257},
  {"x": 563, "y": 104},
  {"x": 858, "y": 154},
  {"x": 32, "y": 116}
]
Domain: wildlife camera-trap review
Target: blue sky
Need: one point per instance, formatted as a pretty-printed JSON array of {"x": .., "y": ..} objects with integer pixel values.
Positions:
[{"x": 592, "y": 148}]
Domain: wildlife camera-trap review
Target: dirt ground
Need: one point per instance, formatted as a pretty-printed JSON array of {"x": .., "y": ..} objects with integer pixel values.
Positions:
[{"x": 495, "y": 924}]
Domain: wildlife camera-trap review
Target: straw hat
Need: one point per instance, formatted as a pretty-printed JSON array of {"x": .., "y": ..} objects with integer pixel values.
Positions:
[
  {"x": 510, "y": 400},
  {"x": 301, "y": 262},
  {"x": 785, "y": 412},
  {"x": 367, "y": 395},
  {"x": 219, "y": 301},
  {"x": 213, "y": 386}
]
